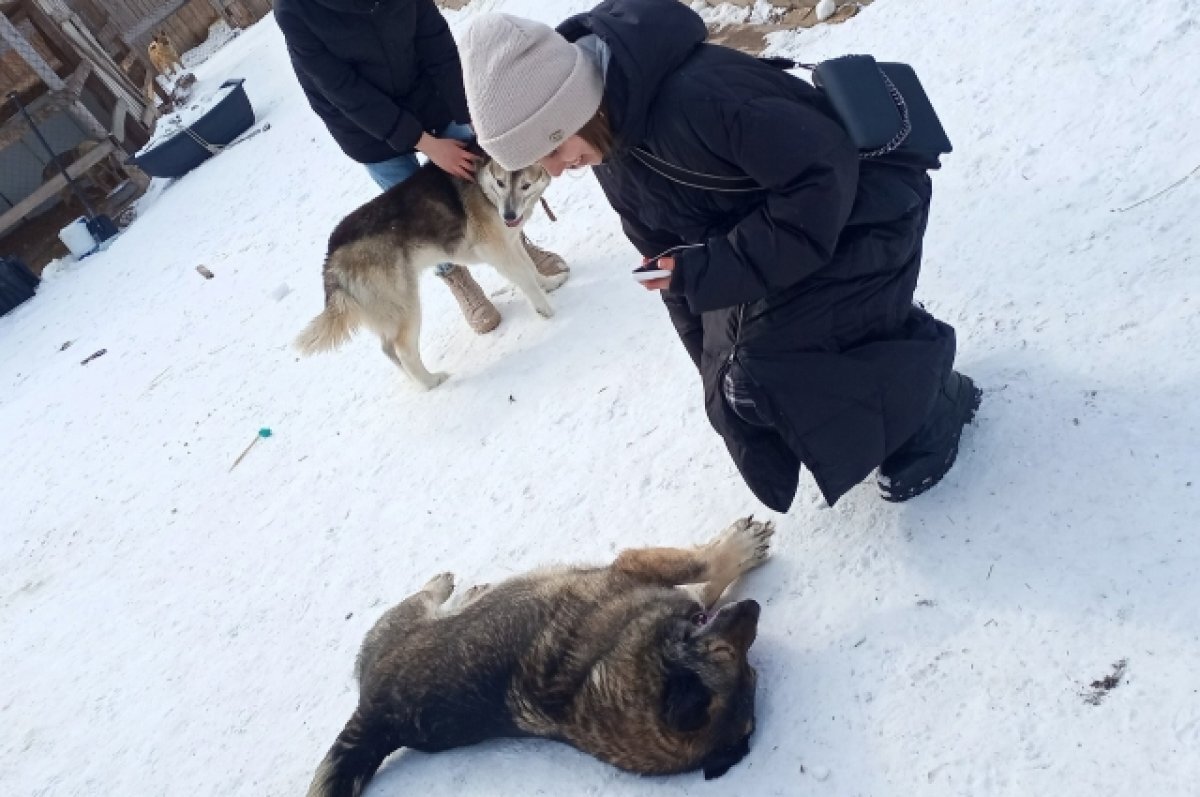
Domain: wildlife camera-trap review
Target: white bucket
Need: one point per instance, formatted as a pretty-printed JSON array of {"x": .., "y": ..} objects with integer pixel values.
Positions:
[{"x": 77, "y": 238}]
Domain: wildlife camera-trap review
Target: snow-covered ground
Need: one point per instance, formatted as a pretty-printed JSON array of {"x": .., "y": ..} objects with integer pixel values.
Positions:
[{"x": 171, "y": 627}]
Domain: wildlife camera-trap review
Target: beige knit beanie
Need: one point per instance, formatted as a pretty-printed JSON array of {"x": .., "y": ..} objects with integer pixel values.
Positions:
[{"x": 528, "y": 88}]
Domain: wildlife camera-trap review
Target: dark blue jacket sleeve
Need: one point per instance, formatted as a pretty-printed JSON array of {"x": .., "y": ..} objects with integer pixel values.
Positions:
[
  {"x": 340, "y": 83},
  {"x": 438, "y": 60}
]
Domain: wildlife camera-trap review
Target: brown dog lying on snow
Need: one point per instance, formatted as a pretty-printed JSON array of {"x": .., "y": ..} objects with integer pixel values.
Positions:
[{"x": 615, "y": 661}]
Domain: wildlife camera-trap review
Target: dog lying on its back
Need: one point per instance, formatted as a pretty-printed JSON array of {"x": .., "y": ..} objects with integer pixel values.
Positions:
[
  {"x": 377, "y": 253},
  {"x": 615, "y": 661}
]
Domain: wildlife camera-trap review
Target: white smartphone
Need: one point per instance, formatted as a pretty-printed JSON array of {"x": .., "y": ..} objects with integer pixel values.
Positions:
[{"x": 650, "y": 272}]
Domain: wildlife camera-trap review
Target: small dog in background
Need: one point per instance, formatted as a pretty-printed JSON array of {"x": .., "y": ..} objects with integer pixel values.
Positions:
[
  {"x": 615, "y": 661},
  {"x": 164, "y": 56},
  {"x": 377, "y": 253}
]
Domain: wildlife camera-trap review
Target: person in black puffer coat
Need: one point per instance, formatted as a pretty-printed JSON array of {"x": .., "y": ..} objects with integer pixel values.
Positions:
[
  {"x": 385, "y": 78},
  {"x": 794, "y": 298}
]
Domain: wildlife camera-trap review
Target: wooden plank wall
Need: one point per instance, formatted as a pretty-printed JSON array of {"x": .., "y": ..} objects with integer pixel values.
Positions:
[
  {"x": 15, "y": 74},
  {"x": 186, "y": 22}
]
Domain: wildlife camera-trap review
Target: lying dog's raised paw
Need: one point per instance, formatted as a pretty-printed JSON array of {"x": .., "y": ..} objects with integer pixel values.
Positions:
[
  {"x": 746, "y": 544},
  {"x": 439, "y": 587}
]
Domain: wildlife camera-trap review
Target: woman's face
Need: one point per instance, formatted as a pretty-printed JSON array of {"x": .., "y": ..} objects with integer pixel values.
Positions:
[{"x": 574, "y": 153}]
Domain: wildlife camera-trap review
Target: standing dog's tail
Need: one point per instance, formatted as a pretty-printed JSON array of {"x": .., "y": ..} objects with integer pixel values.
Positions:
[
  {"x": 352, "y": 761},
  {"x": 334, "y": 325}
]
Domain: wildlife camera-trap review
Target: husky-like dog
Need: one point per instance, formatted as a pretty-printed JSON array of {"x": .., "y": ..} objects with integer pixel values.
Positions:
[
  {"x": 377, "y": 253},
  {"x": 615, "y": 661}
]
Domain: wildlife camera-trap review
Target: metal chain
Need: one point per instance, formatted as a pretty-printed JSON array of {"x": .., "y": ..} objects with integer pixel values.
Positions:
[
  {"x": 897, "y": 98},
  {"x": 213, "y": 149},
  {"x": 905, "y": 122}
]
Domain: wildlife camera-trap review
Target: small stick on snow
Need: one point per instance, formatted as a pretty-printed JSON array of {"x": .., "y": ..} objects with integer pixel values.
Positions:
[
  {"x": 1171, "y": 187},
  {"x": 263, "y": 432}
]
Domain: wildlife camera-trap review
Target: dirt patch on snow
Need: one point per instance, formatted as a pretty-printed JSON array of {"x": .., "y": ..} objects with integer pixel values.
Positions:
[
  {"x": 1102, "y": 686},
  {"x": 751, "y": 36}
]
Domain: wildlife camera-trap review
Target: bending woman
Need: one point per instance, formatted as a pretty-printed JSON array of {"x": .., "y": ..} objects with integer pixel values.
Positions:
[{"x": 794, "y": 296}]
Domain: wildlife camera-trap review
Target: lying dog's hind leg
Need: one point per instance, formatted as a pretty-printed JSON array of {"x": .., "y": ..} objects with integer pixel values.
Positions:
[
  {"x": 738, "y": 549},
  {"x": 392, "y": 627}
]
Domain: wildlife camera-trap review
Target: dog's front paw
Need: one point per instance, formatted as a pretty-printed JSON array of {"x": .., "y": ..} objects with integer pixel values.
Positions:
[
  {"x": 553, "y": 282},
  {"x": 546, "y": 311},
  {"x": 439, "y": 587},
  {"x": 434, "y": 380},
  {"x": 745, "y": 545}
]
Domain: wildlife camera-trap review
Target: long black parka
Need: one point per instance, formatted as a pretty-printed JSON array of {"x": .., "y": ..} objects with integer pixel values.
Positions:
[
  {"x": 805, "y": 286},
  {"x": 379, "y": 73}
]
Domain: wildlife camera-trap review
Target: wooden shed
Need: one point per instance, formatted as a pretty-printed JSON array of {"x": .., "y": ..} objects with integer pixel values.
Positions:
[{"x": 82, "y": 69}]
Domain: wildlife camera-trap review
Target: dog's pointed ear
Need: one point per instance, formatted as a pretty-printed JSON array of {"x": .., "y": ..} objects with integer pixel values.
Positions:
[{"x": 685, "y": 700}]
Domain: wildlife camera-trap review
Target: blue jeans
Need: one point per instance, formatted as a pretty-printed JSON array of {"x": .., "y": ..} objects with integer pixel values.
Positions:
[{"x": 398, "y": 169}]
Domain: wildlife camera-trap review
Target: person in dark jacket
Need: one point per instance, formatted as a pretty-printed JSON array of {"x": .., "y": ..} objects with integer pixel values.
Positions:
[
  {"x": 385, "y": 78},
  {"x": 794, "y": 297}
]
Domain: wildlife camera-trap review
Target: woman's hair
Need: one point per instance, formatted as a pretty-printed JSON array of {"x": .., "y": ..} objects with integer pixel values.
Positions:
[{"x": 598, "y": 132}]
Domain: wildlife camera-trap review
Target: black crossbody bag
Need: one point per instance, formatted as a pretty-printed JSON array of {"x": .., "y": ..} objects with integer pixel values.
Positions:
[{"x": 882, "y": 106}]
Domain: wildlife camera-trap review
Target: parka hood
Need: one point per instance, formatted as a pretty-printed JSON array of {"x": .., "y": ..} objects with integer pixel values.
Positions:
[{"x": 647, "y": 40}]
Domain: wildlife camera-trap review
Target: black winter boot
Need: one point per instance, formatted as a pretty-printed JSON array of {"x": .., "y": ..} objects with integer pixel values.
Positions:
[{"x": 927, "y": 456}]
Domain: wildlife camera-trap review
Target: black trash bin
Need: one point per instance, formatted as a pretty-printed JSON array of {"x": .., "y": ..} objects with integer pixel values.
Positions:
[{"x": 17, "y": 283}]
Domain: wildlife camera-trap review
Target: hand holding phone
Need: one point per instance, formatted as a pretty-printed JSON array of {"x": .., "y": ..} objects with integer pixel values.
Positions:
[
  {"x": 650, "y": 271},
  {"x": 655, "y": 274}
]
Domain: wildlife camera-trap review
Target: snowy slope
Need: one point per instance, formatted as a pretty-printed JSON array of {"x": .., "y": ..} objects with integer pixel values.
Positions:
[{"x": 171, "y": 627}]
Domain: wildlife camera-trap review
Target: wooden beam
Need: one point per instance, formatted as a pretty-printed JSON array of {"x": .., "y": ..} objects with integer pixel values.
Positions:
[
  {"x": 120, "y": 111},
  {"x": 58, "y": 43},
  {"x": 10, "y": 34},
  {"x": 13, "y": 216},
  {"x": 107, "y": 71},
  {"x": 16, "y": 127},
  {"x": 90, "y": 124},
  {"x": 77, "y": 78},
  {"x": 135, "y": 34}
]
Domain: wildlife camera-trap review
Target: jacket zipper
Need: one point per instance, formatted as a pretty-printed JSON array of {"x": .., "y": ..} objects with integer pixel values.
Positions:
[{"x": 737, "y": 338}]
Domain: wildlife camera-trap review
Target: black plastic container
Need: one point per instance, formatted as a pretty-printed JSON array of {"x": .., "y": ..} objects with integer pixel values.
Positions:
[
  {"x": 17, "y": 283},
  {"x": 180, "y": 153}
]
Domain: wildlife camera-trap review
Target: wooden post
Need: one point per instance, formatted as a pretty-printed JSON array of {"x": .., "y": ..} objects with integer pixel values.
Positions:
[{"x": 57, "y": 41}]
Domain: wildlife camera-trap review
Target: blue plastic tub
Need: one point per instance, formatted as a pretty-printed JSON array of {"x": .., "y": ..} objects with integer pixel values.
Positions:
[{"x": 222, "y": 123}]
